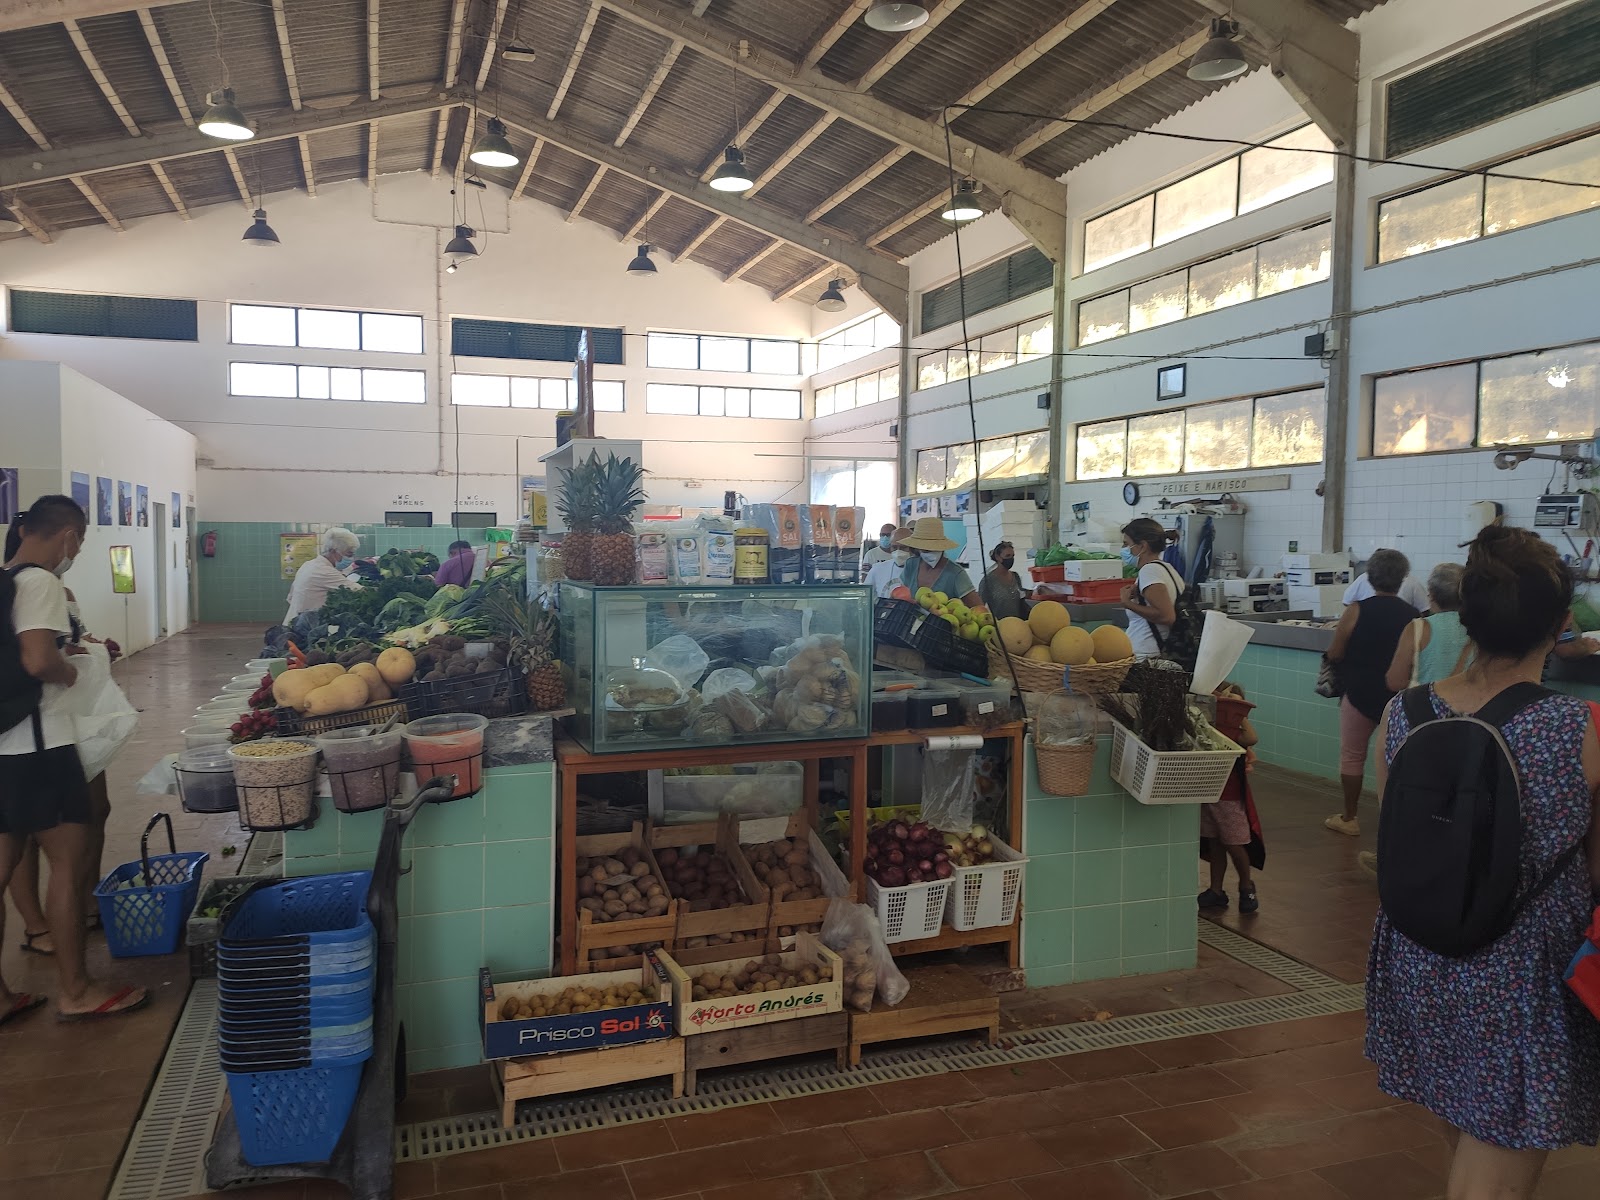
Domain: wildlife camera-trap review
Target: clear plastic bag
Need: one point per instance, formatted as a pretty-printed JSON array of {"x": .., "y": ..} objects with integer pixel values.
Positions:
[
  {"x": 853, "y": 933},
  {"x": 727, "y": 679},
  {"x": 1066, "y": 720},
  {"x": 947, "y": 790},
  {"x": 679, "y": 656}
]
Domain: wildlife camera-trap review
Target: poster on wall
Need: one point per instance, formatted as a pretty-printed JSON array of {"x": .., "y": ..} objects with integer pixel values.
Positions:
[
  {"x": 122, "y": 570},
  {"x": 177, "y": 511},
  {"x": 124, "y": 502},
  {"x": 102, "y": 501},
  {"x": 295, "y": 550},
  {"x": 142, "y": 506},
  {"x": 80, "y": 490},
  {"x": 10, "y": 501}
]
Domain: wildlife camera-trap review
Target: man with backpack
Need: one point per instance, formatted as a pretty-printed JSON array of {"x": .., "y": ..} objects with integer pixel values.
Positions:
[
  {"x": 43, "y": 792},
  {"x": 1488, "y": 875}
]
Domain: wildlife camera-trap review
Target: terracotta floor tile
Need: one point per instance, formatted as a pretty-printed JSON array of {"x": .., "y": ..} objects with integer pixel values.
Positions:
[
  {"x": 1186, "y": 1124},
  {"x": 1437, "y": 1157},
  {"x": 574, "y": 1185},
  {"x": 99, "y": 1149},
  {"x": 829, "y": 1108},
  {"x": 1301, "y": 1186},
  {"x": 1005, "y": 1190},
  {"x": 724, "y": 1127},
  {"x": 74, "y": 1185},
  {"x": 1570, "y": 1183},
  {"x": 413, "y": 1180},
  {"x": 1281, "y": 1105},
  {"x": 520, "y": 1160},
  {"x": 1178, "y": 1172},
  {"x": 903, "y": 1177},
  {"x": 1107, "y": 1098},
  {"x": 1291, "y": 1035},
  {"x": 602, "y": 1147},
  {"x": 30, "y": 1157},
  {"x": 1015, "y": 1156},
  {"x": 1105, "y": 1064},
  {"x": 67, "y": 1119},
  {"x": 1101, "y": 1181},
  {"x": 489, "y": 1191},
  {"x": 1353, "y": 1093},
  {"x": 686, "y": 1172},
  {"x": 1094, "y": 1141},
  {"x": 1007, "y": 1114},
  {"x": 1284, "y": 1151},
  {"x": 1195, "y": 1051},
  {"x": 1332, "y": 1059},
  {"x": 787, "y": 1154},
  {"x": 790, "y": 1187},
  {"x": 1386, "y": 1177},
  {"x": 1187, "y": 1086},
  {"x": 1381, "y": 1132},
  {"x": 905, "y": 1132},
  {"x": 1033, "y": 1076},
  {"x": 1267, "y": 1070},
  {"x": 909, "y": 1095}
]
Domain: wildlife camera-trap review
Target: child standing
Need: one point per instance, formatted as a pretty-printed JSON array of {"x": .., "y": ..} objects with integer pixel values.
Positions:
[{"x": 1229, "y": 828}]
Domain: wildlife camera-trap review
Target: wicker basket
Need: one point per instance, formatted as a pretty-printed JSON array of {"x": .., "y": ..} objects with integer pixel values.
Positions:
[
  {"x": 1098, "y": 679},
  {"x": 1064, "y": 770},
  {"x": 1031, "y": 676}
]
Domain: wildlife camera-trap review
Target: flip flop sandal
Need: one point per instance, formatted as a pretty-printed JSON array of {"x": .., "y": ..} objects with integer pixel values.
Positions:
[
  {"x": 24, "y": 1004},
  {"x": 109, "y": 1008},
  {"x": 29, "y": 948}
]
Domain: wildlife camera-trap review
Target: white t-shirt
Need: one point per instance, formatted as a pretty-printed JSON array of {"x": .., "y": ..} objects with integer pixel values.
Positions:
[
  {"x": 1139, "y": 631},
  {"x": 312, "y": 583},
  {"x": 1412, "y": 592},
  {"x": 884, "y": 577},
  {"x": 41, "y": 604}
]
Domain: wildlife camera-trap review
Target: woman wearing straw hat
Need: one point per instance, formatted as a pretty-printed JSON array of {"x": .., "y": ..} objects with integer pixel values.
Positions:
[{"x": 931, "y": 569}]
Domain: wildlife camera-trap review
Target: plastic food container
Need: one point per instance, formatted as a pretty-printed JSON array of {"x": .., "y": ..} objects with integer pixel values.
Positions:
[
  {"x": 363, "y": 767},
  {"x": 206, "y": 735},
  {"x": 451, "y": 744},
  {"x": 933, "y": 708},
  {"x": 984, "y": 706},
  {"x": 890, "y": 710},
  {"x": 262, "y": 665},
  {"x": 205, "y": 779},
  {"x": 242, "y": 683},
  {"x": 276, "y": 782},
  {"x": 237, "y": 701}
]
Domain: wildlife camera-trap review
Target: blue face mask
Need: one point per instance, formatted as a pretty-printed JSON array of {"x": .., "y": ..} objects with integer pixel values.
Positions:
[
  {"x": 1128, "y": 556},
  {"x": 345, "y": 562},
  {"x": 883, "y": 542}
]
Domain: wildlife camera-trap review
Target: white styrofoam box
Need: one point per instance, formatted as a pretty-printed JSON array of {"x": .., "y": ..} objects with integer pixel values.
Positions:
[
  {"x": 1255, "y": 604},
  {"x": 1085, "y": 569},
  {"x": 1012, "y": 508},
  {"x": 1324, "y": 601},
  {"x": 1249, "y": 588},
  {"x": 1309, "y": 577},
  {"x": 1317, "y": 562}
]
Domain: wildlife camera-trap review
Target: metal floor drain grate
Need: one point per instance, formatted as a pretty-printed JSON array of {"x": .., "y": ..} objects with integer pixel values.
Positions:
[
  {"x": 264, "y": 854},
  {"x": 1264, "y": 958}
]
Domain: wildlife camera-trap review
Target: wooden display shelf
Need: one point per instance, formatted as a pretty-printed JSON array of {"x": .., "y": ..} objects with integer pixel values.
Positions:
[
  {"x": 951, "y": 939},
  {"x": 829, "y": 1032},
  {"x": 580, "y": 1070},
  {"x": 942, "y": 999}
]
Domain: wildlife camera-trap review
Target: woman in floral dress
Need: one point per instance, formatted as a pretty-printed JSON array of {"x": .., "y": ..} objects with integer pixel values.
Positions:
[{"x": 1495, "y": 1043}]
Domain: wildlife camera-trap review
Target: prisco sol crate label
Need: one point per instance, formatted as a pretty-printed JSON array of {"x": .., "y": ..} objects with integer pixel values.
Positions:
[{"x": 510, "y": 1032}]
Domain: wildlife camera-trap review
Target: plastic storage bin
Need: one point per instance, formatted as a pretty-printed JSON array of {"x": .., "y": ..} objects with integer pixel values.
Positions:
[
  {"x": 451, "y": 744},
  {"x": 912, "y": 912},
  {"x": 215, "y": 734},
  {"x": 984, "y": 706},
  {"x": 933, "y": 707},
  {"x": 890, "y": 710},
  {"x": 986, "y": 896},
  {"x": 363, "y": 766},
  {"x": 276, "y": 781},
  {"x": 1174, "y": 776},
  {"x": 205, "y": 779}
]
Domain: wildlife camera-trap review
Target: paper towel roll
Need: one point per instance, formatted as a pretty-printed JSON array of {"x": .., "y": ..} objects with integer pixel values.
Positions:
[{"x": 965, "y": 741}]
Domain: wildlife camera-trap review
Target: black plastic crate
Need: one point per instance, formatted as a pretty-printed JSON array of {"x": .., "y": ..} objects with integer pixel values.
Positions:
[
  {"x": 487, "y": 694},
  {"x": 292, "y": 724},
  {"x": 901, "y": 623},
  {"x": 893, "y": 621}
]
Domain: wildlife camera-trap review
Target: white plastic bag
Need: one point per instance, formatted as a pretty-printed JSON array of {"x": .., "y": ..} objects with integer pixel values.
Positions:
[
  {"x": 948, "y": 795},
  {"x": 102, "y": 717},
  {"x": 853, "y": 933},
  {"x": 160, "y": 780},
  {"x": 679, "y": 656}
]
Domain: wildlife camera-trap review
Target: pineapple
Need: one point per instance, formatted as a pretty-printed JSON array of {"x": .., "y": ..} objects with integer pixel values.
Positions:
[
  {"x": 618, "y": 496},
  {"x": 533, "y": 632},
  {"x": 576, "y": 504}
]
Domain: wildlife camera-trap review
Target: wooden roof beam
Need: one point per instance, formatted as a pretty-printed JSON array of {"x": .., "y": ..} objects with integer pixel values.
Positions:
[
  {"x": 754, "y": 261},
  {"x": 26, "y": 14},
  {"x": 280, "y": 21},
  {"x": 101, "y": 80},
  {"x": 21, "y": 117},
  {"x": 776, "y": 167},
  {"x": 574, "y": 59},
  {"x": 906, "y": 43},
  {"x": 1034, "y": 51},
  {"x": 441, "y": 130},
  {"x": 650, "y": 210},
  {"x": 30, "y": 220},
  {"x": 699, "y": 239},
  {"x": 588, "y": 193},
  {"x": 153, "y": 36},
  {"x": 372, "y": 157},
  {"x": 825, "y": 271},
  {"x": 106, "y": 215},
  {"x": 452, "y": 53},
  {"x": 489, "y": 43},
  {"x": 174, "y": 197},
  {"x": 649, "y": 94},
  {"x": 307, "y": 171},
  {"x": 527, "y": 168},
  {"x": 374, "y": 66},
  {"x": 836, "y": 29},
  {"x": 829, "y": 203},
  {"x": 239, "y": 180}
]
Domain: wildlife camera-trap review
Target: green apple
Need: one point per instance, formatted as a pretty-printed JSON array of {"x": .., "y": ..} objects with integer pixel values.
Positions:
[{"x": 970, "y": 631}]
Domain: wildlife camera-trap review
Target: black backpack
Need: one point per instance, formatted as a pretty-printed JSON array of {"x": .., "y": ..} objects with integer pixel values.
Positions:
[
  {"x": 1182, "y": 643},
  {"x": 20, "y": 692},
  {"x": 1450, "y": 830}
]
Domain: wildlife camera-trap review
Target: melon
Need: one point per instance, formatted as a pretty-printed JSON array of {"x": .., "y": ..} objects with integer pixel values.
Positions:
[
  {"x": 1038, "y": 654},
  {"x": 396, "y": 665},
  {"x": 1048, "y": 618},
  {"x": 1111, "y": 644},
  {"x": 1072, "y": 646},
  {"x": 1016, "y": 634}
]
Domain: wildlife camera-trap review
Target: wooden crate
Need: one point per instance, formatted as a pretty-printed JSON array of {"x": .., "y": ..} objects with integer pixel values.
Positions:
[
  {"x": 512, "y": 1037},
  {"x": 944, "y": 999},
  {"x": 751, "y": 921},
  {"x": 696, "y": 1017},
  {"x": 825, "y": 1034},
  {"x": 556, "y": 1074},
  {"x": 794, "y": 914},
  {"x": 595, "y": 935}
]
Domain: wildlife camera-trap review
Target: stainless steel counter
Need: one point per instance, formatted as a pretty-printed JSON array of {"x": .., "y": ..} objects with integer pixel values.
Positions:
[{"x": 1315, "y": 639}]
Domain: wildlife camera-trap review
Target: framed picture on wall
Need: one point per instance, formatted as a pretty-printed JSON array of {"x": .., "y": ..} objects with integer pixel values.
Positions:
[
  {"x": 142, "y": 506},
  {"x": 177, "y": 511},
  {"x": 80, "y": 490},
  {"x": 124, "y": 502},
  {"x": 122, "y": 570},
  {"x": 103, "y": 501}
]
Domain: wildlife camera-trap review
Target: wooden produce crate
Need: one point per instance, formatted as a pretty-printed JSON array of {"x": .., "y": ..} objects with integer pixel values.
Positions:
[
  {"x": 826, "y": 1034},
  {"x": 508, "y": 1036},
  {"x": 943, "y": 999},
  {"x": 830, "y": 881},
  {"x": 758, "y": 1008},
  {"x": 747, "y": 923},
  {"x": 596, "y": 937},
  {"x": 583, "y": 1070}
]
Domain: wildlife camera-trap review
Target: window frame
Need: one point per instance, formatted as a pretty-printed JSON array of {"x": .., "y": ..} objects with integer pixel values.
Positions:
[
  {"x": 955, "y": 352},
  {"x": 650, "y": 343},
  {"x": 360, "y": 315},
  {"x": 538, "y": 383},
  {"x": 299, "y": 367},
  {"x": 748, "y": 402},
  {"x": 978, "y": 480}
]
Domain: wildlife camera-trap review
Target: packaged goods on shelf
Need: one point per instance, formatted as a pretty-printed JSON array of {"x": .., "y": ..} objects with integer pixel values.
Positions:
[
  {"x": 1242, "y": 588},
  {"x": 1325, "y": 601},
  {"x": 1316, "y": 577}
]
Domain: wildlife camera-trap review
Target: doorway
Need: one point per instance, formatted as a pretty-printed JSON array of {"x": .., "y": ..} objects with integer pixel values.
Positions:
[
  {"x": 163, "y": 572},
  {"x": 189, "y": 566}
]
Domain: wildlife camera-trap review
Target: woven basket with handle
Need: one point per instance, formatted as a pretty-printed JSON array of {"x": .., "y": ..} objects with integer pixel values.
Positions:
[
  {"x": 1092, "y": 679},
  {"x": 1064, "y": 770}
]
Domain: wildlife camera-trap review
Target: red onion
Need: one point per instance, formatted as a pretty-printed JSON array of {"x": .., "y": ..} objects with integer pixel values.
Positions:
[
  {"x": 925, "y": 866},
  {"x": 942, "y": 870},
  {"x": 914, "y": 876},
  {"x": 893, "y": 877},
  {"x": 939, "y": 856},
  {"x": 899, "y": 831},
  {"x": 896, "y": 857}
]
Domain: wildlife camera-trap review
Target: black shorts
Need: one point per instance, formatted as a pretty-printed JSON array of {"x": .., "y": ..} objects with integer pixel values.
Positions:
[{"x": 42, "y": 790}]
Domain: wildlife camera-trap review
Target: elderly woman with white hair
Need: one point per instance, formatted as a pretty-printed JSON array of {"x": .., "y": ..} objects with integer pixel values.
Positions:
[{"x": 329, "y": 570}]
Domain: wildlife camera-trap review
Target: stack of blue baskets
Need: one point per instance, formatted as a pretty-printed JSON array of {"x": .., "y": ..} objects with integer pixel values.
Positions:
[{"x": 295, "y": 969}]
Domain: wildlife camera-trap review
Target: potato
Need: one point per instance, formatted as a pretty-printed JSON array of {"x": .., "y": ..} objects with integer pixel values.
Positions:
[
  {"x": 614, "y": 866},
  {"x": 613, "y": 907},
  {"x": 598, "y": 874},
  {"x": 592, "y": 904},
  {"x": 628, "y": 894},
  {"x": 585, "y": 886}
]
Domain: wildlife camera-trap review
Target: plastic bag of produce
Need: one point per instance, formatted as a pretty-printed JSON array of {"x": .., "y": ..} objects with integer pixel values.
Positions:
[
  {"x": 853, "y": 933},
  {"x": 102, "y": 718},
  {"x": 727, "y": 679},
  {"x": 947, "y": 790},
  {"x": 679, "y": 656}
]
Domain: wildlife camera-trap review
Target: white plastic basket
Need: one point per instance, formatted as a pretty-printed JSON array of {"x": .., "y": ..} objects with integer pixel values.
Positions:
[
  {"x": 1171, "y": 776},
  {"x": 984, "y": 897},
  {"x": 912, "y": 912}
]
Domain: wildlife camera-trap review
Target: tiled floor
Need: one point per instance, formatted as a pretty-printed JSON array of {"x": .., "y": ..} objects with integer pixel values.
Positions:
[{"x": 1280, "y": 1112}]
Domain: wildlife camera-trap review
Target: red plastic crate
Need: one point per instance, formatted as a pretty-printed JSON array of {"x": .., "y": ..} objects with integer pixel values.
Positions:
[
  {"x": 1055, "y": 574},
  {"x": 1093, "y": 591}
]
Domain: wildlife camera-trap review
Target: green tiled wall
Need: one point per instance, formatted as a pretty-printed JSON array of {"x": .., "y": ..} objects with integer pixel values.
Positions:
[
  {"x": 1298, "y": 728},
  {"x": 479, "y": 892},
  {"x": 1111, "y": 882},
  {"x": 243, "y": 582}
]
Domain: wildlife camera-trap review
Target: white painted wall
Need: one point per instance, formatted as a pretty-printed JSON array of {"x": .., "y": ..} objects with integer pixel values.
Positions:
[
  {"x": 57, "y": 421},
  {"x": 295, "y": 460}
]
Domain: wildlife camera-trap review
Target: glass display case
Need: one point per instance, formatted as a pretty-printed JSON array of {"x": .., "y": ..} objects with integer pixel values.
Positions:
[{"x": 675, "y": 668}]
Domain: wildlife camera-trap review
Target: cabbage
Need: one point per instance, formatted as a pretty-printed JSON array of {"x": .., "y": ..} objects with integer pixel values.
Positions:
[{"x": 445, "y": 599}]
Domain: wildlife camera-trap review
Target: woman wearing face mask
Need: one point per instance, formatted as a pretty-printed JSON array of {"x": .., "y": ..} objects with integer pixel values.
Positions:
[
  {"x": 1151, "y": 597},
  {"x": 884, "y": 577},
  {"x": 1001, "y": 588},
  {"x": 931, "y": 569},
  {"x": 316, "y": 578}
]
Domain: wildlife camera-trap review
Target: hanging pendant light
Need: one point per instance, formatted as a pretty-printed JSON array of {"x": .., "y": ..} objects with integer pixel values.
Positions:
[
  {"x": 224, "y": 119},
  {"x": 260, "y": 233},
  {"x": 832, "y": 300},
  {"x": 493, "y": 149},
  {"x": 460, "y": 248},
  {"x": 641, "y": 264},
  {"x": 732, "y": 176},
  {"x": 964, "y": 205},
  {"x": 896, "y": 18},
  {"x": 1220, "y": 58},
  {"x": 8, "y": 221}
]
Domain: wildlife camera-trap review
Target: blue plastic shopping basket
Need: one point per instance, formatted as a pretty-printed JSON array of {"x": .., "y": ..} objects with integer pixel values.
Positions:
[{"x": 144, "y": 905}]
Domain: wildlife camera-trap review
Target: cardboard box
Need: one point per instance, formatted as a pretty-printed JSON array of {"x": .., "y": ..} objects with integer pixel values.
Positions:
[
  {"x": 1325, "y": 601},
  {"x": 1246, "y": 605},
  {"x": 1316, "y": 562},
  {"x": 626, "y": 1026},
  {"x": 710, "y": 1016},
  {"x": 1314, "y": 577}
]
